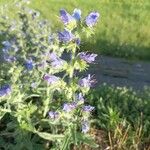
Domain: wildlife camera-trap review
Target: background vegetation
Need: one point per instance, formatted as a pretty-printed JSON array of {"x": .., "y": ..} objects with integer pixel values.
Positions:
[
  {"x": 123, "y": 116},
  {"x": 123, "y": 30}
]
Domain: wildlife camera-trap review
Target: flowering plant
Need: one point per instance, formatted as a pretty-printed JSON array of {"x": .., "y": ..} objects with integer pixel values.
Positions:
[{"x": 40, "y": 92}]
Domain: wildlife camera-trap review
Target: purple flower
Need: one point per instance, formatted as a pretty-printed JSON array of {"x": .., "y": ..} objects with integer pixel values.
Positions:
[
  {"x": 53, "y": 56},
  {"x": 7, "y": 45},
  {"x": 91, "y": 19},
  {"x": 80, "y": 97},
  {"x": 77, "y": 14},
  {"x": 69, "y": 107},
  {"x": 89, "y": 58},
  {"x": 9, "y": 58},
  {"x": 29, "y": 64},
  {"x": 55, "y": 60},
  {"x": 5, "y": 90},
  {"x": 86, "y": 82},
  {"x": 51, "y": 79},
  {"x": 65, "y": 17},
  {"x": 65, "y": 36},
  {"x": 53, "y": 114},
  {"x": 78, "y": 41},
  {"x": 88, "y": 108},
  {"x": 57, "y": 63},
  {"x": 85, "y": 126}
]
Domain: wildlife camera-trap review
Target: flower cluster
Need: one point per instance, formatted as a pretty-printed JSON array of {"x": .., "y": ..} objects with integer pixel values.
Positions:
[
  {"x": 38, "y": 71},
  {"x": 91, "y": 19},
  {"x": 51, "y": 79},
  {"x": 87, "y": 82},
  {"x": 67, "y": 36},
  {"x": 89, "y": 58}
]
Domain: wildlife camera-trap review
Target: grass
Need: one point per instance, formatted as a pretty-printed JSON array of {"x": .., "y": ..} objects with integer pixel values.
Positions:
[
  {"x": 123, "y": 115},
  {"x": 122, "y": 31}
]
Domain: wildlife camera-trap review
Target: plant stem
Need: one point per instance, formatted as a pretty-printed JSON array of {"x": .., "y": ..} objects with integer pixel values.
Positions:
[
  {"x": 72, "y": 63},
  {"x": 47, "y": 101}
]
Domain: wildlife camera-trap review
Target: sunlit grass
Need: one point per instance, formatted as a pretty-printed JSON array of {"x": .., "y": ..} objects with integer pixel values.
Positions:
[{"x": 123, "y": 29}]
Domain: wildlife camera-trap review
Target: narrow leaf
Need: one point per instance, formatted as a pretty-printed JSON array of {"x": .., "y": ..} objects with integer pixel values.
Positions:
[{"x": 50, "y": 137}]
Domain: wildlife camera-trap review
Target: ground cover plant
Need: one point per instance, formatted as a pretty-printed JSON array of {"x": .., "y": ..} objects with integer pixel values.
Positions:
[
  {"x": 123, "y": 31},
  {"x": 42, "y": 103},
  {"x": 121, "y": 117}
]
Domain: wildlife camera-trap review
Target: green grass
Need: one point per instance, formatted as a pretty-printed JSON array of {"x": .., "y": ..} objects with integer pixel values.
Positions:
[
  {"x": 119, "y": 111},
  {"x": 123, "y": 29}
]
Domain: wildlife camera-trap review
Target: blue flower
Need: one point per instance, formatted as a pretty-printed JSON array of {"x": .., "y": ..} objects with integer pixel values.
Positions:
[
  {"x": 89, "y": 58},
  {"x": 29, "y": 64},
  {"x": 85, "y": 126},
  {"x": 51, "y": 79},
  {"x": 69, "y": 107},
  {"x": 52, "y": 56},
  {"x": 7, "y": 45},
  {"x": 77, "y": 14},
  {"x": 78, "y": 41},
  {"x": 80, "y": 97},
  {"x": 65, "y": 36},
  {"x": 86, "y": 82},
  {"x": 53, "y": 114},
  {"x": 9, "y": 58},
  {"x": 88, "y": 108},
  {"x": 8, "y": 51},
  {"x": 92, "y": 19},
  {"x": 65, "y": 17},
  {"x": 5, "y": 90},
  {"x": 56, "y": 62}
]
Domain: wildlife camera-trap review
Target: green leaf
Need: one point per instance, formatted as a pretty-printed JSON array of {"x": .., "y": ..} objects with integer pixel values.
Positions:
[
  {"x": 2, "y": 115},
  {"x": 3, "y": 111},
  {"x": 38, "y": 146},
  {"x": 31, "y": 96},
  {"x": 66, "y": 142},
  {"x": 50, "y": 137},
  {"x": 73, "y": 133},
  {"x": 86, "y": 139},
  {"x": 55, "y": 122},
  {"x": 2, "y": 142}
]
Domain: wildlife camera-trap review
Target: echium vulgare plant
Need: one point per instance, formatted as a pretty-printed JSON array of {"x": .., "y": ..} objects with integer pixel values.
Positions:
[{"x": 42, "y": 100}]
